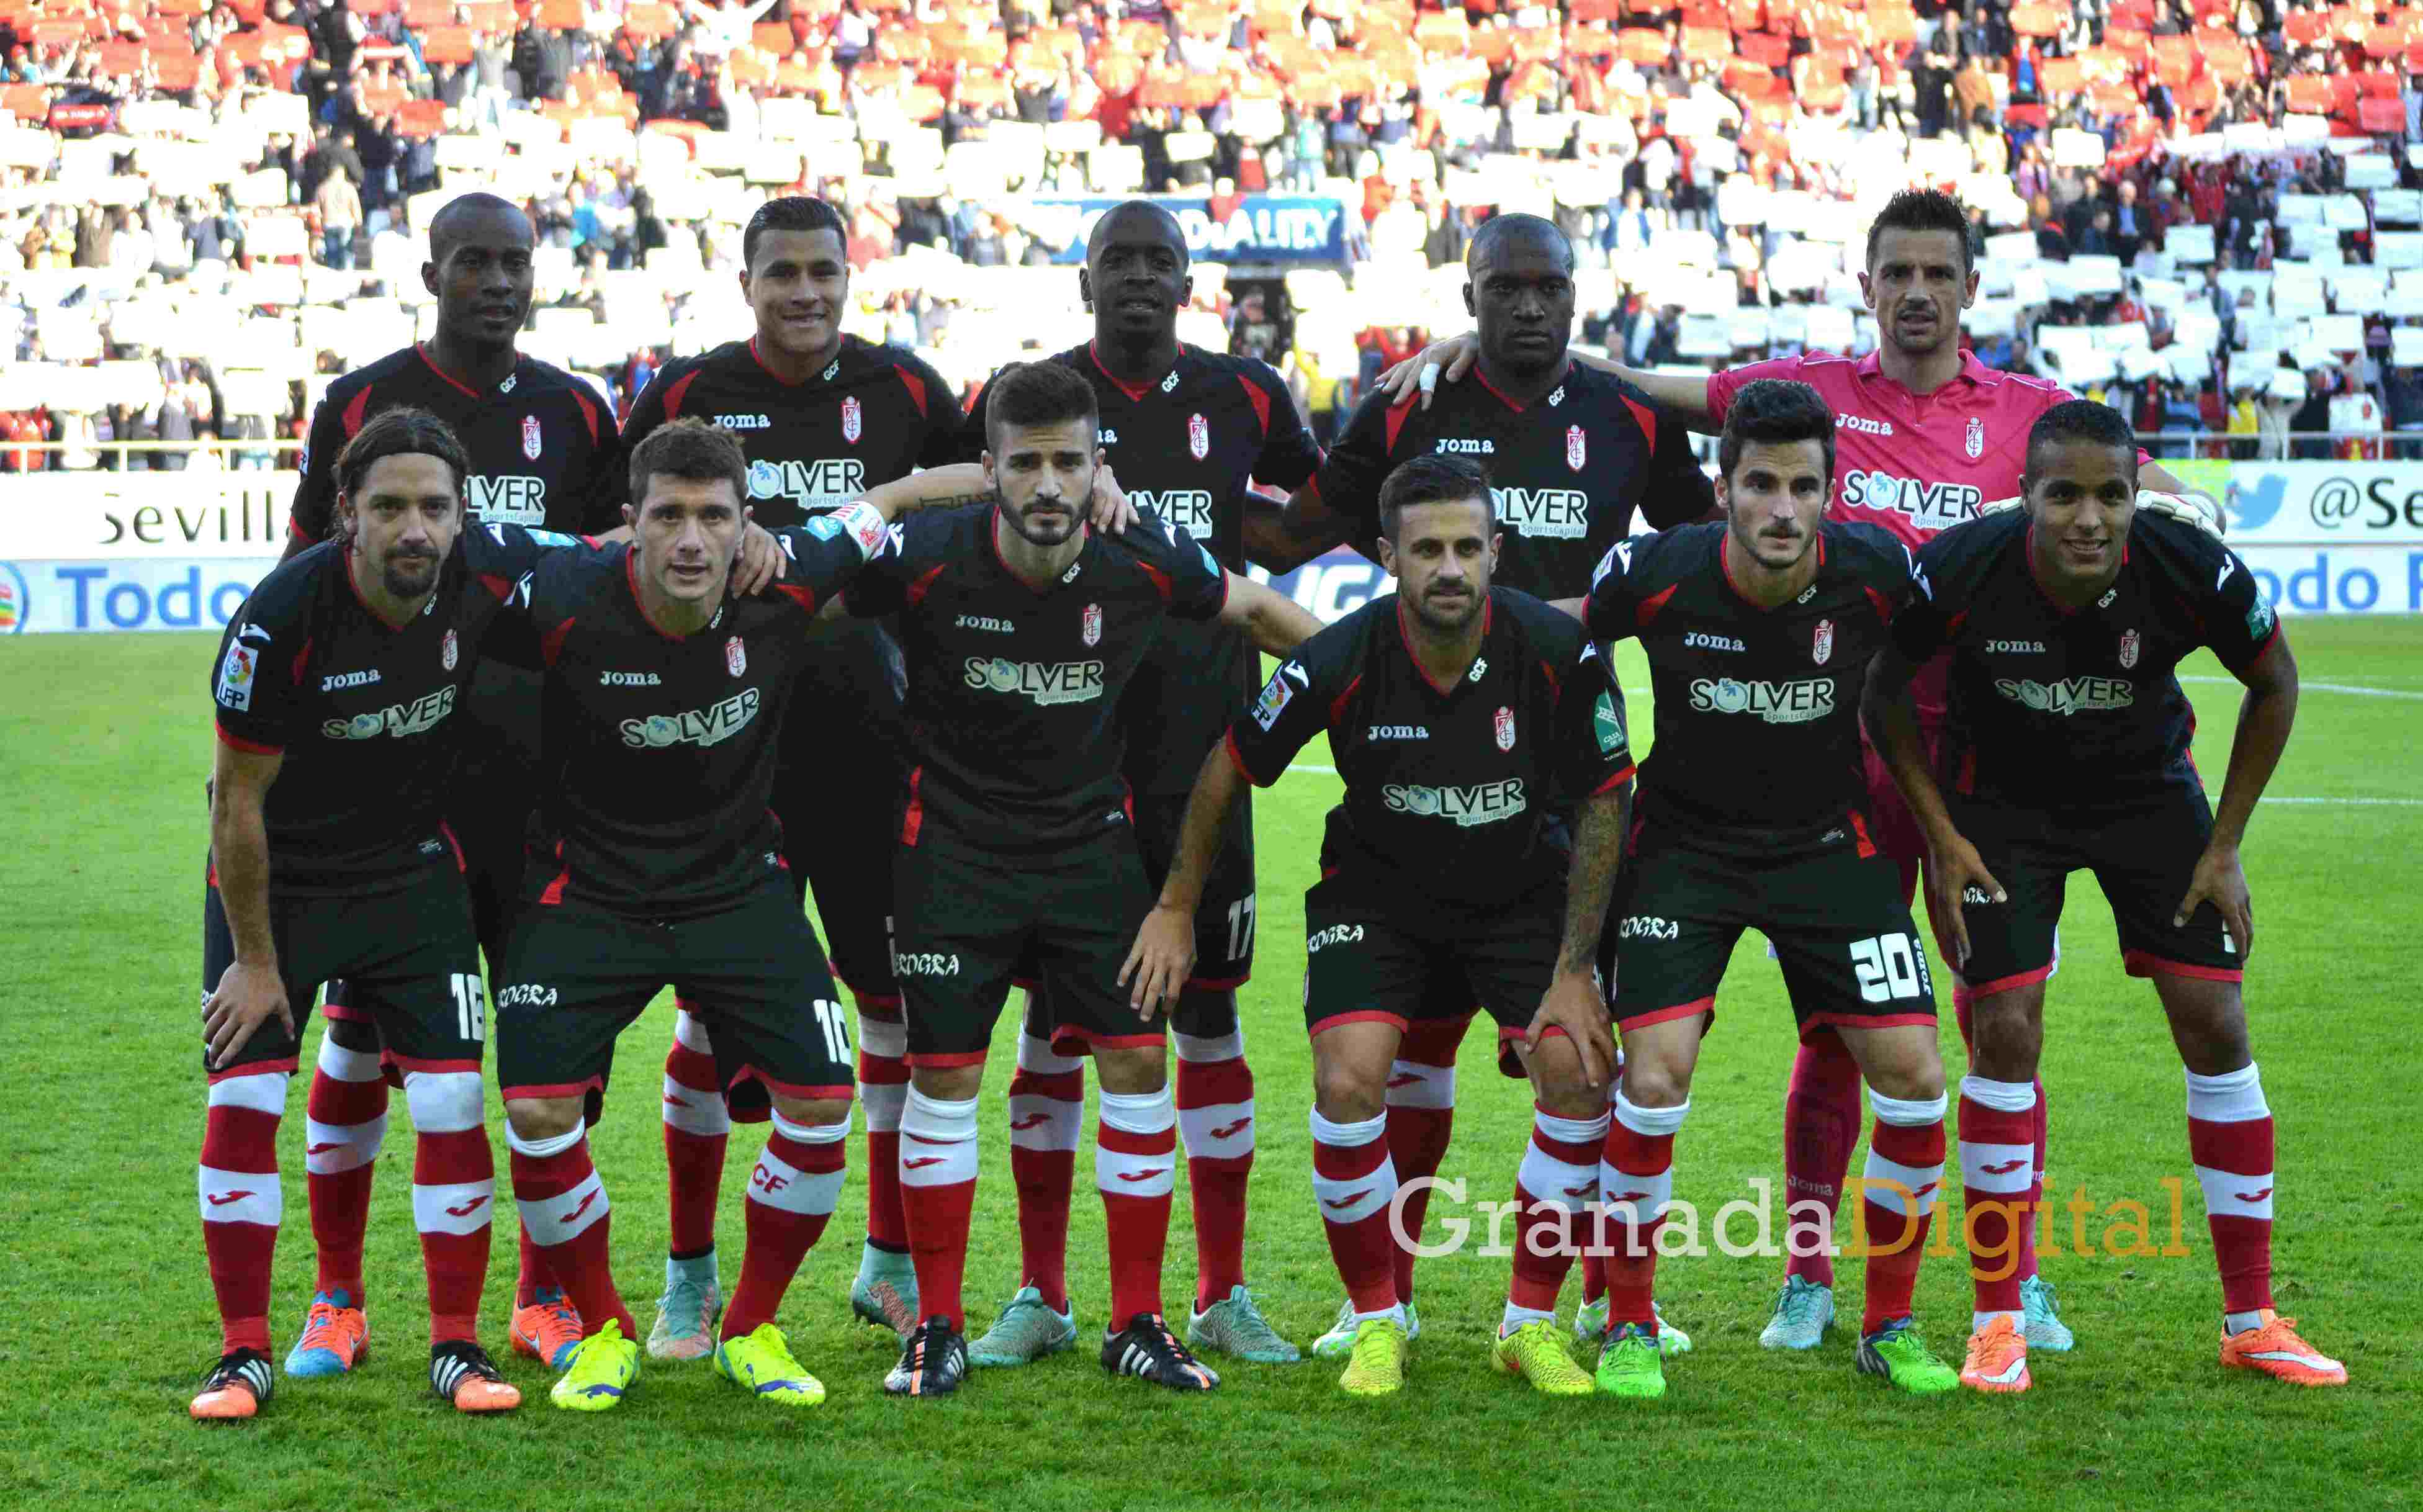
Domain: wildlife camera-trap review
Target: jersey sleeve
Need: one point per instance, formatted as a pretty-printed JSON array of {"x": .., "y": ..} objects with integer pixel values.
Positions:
[
  {"x": 315, "y": 511},
  {"x": 1613, "y": 609},
  {"x": 1679, "y": 490},
  {"x": 1930, "y": 616},
  {"x": 946, "y": 427},
  {"x": 1289, "y": 458},
  {"x": 602, "y": 484},
  {"x": 1293, "y": 706},
  {"x": 1350, "y": 478},
  {"x": 881, "y": 586},
  {"x": 1726, "y": 382},
  {"x": 1194, "y": 582},
  {"x": 253, "y": 688},
  {"x": 1594, "y": 745},
  {"x": 828, "y": 552},
  {"x": 2239, "y": 622}
]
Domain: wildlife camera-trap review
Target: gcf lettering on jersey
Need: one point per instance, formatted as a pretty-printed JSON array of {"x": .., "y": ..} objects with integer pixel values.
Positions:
[
  {"x": 736, "y": 656},
  {"x": 1562, "y": 514},
  {"x": 823, "y": 483},
  {"x": 531, "y": 435},
  {"x": 1577, "y": 448},
  {"x": 1505, "y": 728},
  {"x": 1821, "y": 646},
  {"x": 447, "y": 653},
  {"x": 1185, "y": 510},
  {"x": 1091, "y": 624},
  {"x": 2127, "y": 649},
  {"x": 853, "y": 419},
  {"x": 1198, "y": 436}
]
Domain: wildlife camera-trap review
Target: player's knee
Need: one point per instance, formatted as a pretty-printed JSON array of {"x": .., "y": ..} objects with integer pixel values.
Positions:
[
  {"x": 534, "y": 1119},
  {"x": 1652, "y": 1081},
  {"x": 947, "y": 1084},
  {"x": 443, "y": 1102},
  {"x": 1908, "y": 1079},
  {"x": 1346, "y": 1093},
  {"x": 1131, "y": 1071},
  {"x": 2006, "y": 1034},
  {"x": 811, "y": 1111},
  {"x": 1558, "y": 1082},
  {"x": 2208, "y": 1022}
]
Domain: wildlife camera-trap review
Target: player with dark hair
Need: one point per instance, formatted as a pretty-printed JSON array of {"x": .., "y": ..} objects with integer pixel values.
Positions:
[
  {"x": 1751, "y": 817},
  {"x": 337, "y": 688},
  {"x": 1189, "y": 432},
  {"x": 657, "y": 861},
  {"x": 2066, "y": 750},
  {"x": 1022, "y": 627},
  {"x": 1459, "y": 715},
  {"x": 823, "y": 417},
  {"x": 1573, "y": 456},
  {"x": 1929, "y": 437}
]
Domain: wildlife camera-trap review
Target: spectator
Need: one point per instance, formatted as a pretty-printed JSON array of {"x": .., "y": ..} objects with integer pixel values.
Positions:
[{"x": 340, "y": 207}]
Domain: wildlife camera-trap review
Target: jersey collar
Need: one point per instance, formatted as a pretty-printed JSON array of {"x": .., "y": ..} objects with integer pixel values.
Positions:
[
  {"x": 1405, "y": 639},
  {"x": 1725, "y": 568},
  {"x": 1976, "y": 375},
  {"x": 831, "y": 371},
  {"x": 994, "y": 525},
  {"x": 631, "y": 576},
  {"x": 1135, "y": 395},
  {"x": 2028, "y": 546},
  {"x": 422, "y": 349},
  {"x": 1562, "y": 378},
  {"x": 345, "y": 557}
]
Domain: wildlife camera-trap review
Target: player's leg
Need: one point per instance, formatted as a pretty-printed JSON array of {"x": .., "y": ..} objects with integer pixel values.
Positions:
[
  {"x": 573, "y": 979},
  {"x": 346, "y": 1123},
  {"x": 697, "y": 1130},
  {"x": 1047, "y": 1106},
  {"x": 240, "y": 1200},
  {"x": 884, "y": 1291},
  {"x": 1636, "y": 1178}
]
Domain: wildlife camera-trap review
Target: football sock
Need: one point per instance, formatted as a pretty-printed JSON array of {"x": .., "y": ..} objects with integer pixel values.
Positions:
[
  {"x": 1135, "y": 1167},
  {"x": 453, "y": 1196},
  {"x": 1556, "y": 1191},
  {"x": 1422, "y": 1120},
  {"x": 1353, "y": 1182},
  {"x": 1215, "y": 1115},
  {"x": 346, "y": 1123},
  {"x": 2229, "y": 1138},
  {"x": 241, "y": 1201},
  {"x": 883, "y": 1091},
  {"x": 1821, "y": 1124},
  {"x": 697, "y": 1129},
  {"x": 792, "y": 1195},
  {"x": 1997, "y": 1168},
  {"x": 1905, "y": 1171},
  {"x": 1047, "y": 1111},
  {"x": 563, "y": 1205},
  {"x": 1963, "y": 1006},
  {"x": 937, "y": 1193},
  {"x": 534, "y": 1275},
  {"x": 1636, "y": 1183}
]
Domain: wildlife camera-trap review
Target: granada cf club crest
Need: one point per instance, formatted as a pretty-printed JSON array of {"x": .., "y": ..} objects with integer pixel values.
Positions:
[
  {"x": 2127, "y": 649},
  {"x": 1822, "y": 645},
  {"x": 1505, "y": 728},
  {"x": 1093, "y": 623},
  {"x": 448, "y": 652},
  {"x": 1576, "y": 448},
  {"x": 736, "y": 656},
  {"x": 1198, "y": 436},
  {"x": 853, "y": 419},
  {"x": 529, "y": 437},
  {"x": 1976, "y": 438}
]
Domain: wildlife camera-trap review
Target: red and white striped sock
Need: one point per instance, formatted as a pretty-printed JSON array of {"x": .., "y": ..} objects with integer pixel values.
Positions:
[
  {"x": 1215, "y": 1116},
  {"x": 1354, "y": 1185},
  {"x": 1821, "y": 1126},
  {"x": 792, "y": 1194},
  {"x": 938, "y": 1192},
  {"x": 1135, "y": 1168},
  {"x": 1636, "y": 1183},
  {"x": 1594, "y": 1251},
  {"x": 1047, "y": 1113},
  {"x": 1997, "y": 1167},
  {"x": 1554, "y": 1190},
  {"x": 1904, "y": 1175},
  {"x": 344, "y": 1125},
  {"x": 2229, "y": 1138},
  {"x": 698, "y": 1128},
  {"x": 241, "y": 1201},
  {"x": 563, "y": 1205},
  {"x": 1421, "y": 1122},
  {"x": 883, "y": 1091},
  {"x": 1964, "y": 1003},
  {"x": 453, "y": 1196},
  {"x": 533, "y": 1274}
]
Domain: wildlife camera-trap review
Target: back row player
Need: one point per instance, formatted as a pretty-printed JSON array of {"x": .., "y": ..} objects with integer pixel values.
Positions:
[
  {"x": 1572, "y": 453},
  {"x": 1929, "y": 437}
]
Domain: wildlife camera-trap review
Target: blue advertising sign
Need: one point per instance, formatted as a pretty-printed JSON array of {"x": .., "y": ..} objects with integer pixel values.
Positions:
[{"x": 1263, "y": 228}]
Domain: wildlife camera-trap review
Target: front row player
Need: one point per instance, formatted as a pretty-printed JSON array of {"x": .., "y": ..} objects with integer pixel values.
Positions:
[
  {"x": 2066, "y": 621},
  {"x": 656, "y": 861},
  {"x": 1022, "y": 626},
  {"x": 335, "y": 687},
  {"x": 1462, "y": 716},
  {"x": 1758, "y": 629}
]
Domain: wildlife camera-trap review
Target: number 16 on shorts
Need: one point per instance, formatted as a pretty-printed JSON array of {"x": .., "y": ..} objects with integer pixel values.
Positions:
[{"x": 471, "y": 1006}]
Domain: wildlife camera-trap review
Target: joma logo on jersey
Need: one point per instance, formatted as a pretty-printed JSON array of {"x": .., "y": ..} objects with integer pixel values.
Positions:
[
  {"x": 1046, "y": 682},
  {"x": 1698, "y": 639},
  {"x": 1320, "y": 940},
  {"x": 1188, "y": 510},
  {"x": 420, "y": 714},
  {"x": 518, "y": 499},
  {"x": 2071, "y": 695},
  {"x": 823, "y": 483},
  {"x": 1399, "y": 732},
  {"x": 348, "y": 679},
  {"x": 1461, "y": 446},
  {"x": 980, "y": 622},
  {"x": 1863, "y": 424},
  {"x": 629, "y": 680},
  {"x": 1484, "y": 803},
  {"x": 1934, "y": 506},
  {"x": 744, "y": 423},
  {"x": 1778, "y": 703},
  {"x": 2015, "y": 647},
  {"x": 1562, "y": 514},
  {"x": 711, "y": 726}
]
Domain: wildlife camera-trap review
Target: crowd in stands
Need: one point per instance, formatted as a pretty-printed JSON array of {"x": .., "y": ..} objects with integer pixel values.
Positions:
[{"x": 2207, "y": 211}]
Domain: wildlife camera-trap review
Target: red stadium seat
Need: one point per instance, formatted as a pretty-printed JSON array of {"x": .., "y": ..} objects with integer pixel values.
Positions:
[
  {"x": 2303, "y": 28},
  {"x": 421, "y": 118},
  {"x": 1594, "y": 43},
  {"x": 1706, "y": 44},
  {"x": 1765, "y": 49},
  {"x": 2057, "y": 77},
  {"x": 2227, "y": 64},
  {"x": 2378, "y": 85},
  {"x": 422, "y": 14},
  {"x": 2036, "y": 21},
  {"x": 1642, "y": 46},
  {"x": 1605, "y": 10},
  {"x": 2136, "y": 46},
  {"x": 29, "y": 102},
  {"x": 979, "y": 90},
  {"x": 372, "y": 7},
  {"x": 751, "y": 67},
  {"x": 2310, "y": 94},
  {"x": 1443, "y": 33},
  {"x": 561, "y": 15},
  {"x": 496, "y": 16},
  {"x": 2379, "y": 116},
  {"x": 446, "y": 44}
]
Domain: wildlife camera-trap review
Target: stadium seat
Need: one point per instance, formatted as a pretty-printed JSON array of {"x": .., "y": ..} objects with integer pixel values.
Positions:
[
  {"x": 561, "y": 15},
  {"x": 1442, "y": 33},
  {"x": 2310, "y": 94},
  {"x": 1642, "y": 46},
  {"x": 1706, "y": 44},
  {"x": 2058, "y": 77},
  {"x": 2036, "y": 21},
  {"x": 1765, "y": 49},
  {"x": 2377, "y": 115},
  {"x": 446, "y": 44},
  {"x": 420, "y": 15}
]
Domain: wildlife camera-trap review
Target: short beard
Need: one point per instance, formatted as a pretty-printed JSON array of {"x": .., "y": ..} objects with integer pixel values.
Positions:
[
  {"x": 392, "y": 574},
  {"x": 1019, "y": 526},
  {"x": 1445, "y": 623}
]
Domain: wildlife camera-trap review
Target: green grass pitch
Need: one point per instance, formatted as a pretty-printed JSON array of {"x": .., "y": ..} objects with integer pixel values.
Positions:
[{"x": 109, "y": 1318}]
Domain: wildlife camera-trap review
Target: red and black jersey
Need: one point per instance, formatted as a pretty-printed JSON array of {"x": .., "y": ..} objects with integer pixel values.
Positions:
[
  {"x": 542, "y": 448},
  {"x": 1567, "y": 472},
  {"x": 1451, "y": 793},
  {"x": 1757, "y": 714},
  {"x": 1012, "y": 688},
  {"x": 660, "y": 748},
  {"x": 873, "y": 415},
  {"x": 359, "y": 709},
  {"x": 1188, "y": 446},
  {"x": 2074, "y": 707}
]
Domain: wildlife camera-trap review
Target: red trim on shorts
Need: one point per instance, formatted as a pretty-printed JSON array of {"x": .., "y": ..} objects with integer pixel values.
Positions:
[
  {"x": 868, "y": 999},
  {"x": 1220, "y": 984},
  {"x": 1360, "y": 1015},
  {"x": 433, "y": 1068},
  {"x": 229, "y": 738},
  {"x": 1237, "y": 760},
  {"x": 1667, "y": 1015},
  {"x": 255, "y": 1068},
  {"x": 554, "y": 1088},
  {"x": 1615, "y": 782},
  {"x": 1859, "y": 828},
  {"x": 913, "y": 817},
  {"x": 345, "y": 1012},
  {"x": 1859, "y": 1021},
  {"x": 1094, "y": 1041},
  {"x": 786, "y": 1088},
  {"x": 2005, "y": 984},
  {"x": 1506, "y": 1033},
  {"x": 2144, "y": 963},
  {"x": 956, "y": 1057},
  {"x": 554, "y": 893}
]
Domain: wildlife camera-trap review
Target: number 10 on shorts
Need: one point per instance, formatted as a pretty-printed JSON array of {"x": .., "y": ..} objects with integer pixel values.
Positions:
[
  {"x": 1890, "y": 968},
  {"x": 836, "y": 1030}
]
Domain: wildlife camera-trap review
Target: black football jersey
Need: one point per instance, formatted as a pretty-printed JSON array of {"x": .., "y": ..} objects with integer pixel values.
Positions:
[
  {"x": 1451, "y": 793},
  {"x": 1188, "y": 446},
  {"x": 660, "y": 748},
  {"x": 360, "y": 709},
  {"x": 1757, "y": 717},
  {"x": 2052, "y": 704},
  {"x": 1568, "y": 472},
  {"x": 542, "y": 448},
  {"x": 1012, "y": 689}
]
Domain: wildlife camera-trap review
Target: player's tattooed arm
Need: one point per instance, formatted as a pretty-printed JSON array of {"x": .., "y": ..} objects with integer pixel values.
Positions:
[
  {"x": 1576, "y": 999},
  {"x": 250, "y": 991},
  {"x": 2265, "y": 717},
  {"x": 1270, "y": 619},
  {"x": 1954, "y": 873},
  {"x": 1159, "y": 963}
]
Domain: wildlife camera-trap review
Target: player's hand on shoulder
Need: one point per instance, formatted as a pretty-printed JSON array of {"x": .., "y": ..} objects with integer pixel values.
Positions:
[
  {"x": 2189, "y": 508},
  {"x": 248, "y": 996},
  {"x": 1160, "y": 961},
  {"x": 1111, "y": 508},
  {"x": 762, "y": 561},
  {"x": 1419, "y": 374}
]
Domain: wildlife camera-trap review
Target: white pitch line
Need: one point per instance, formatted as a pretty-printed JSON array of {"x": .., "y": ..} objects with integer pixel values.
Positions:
[
  {"x": 2349, "y": 803},
  {"x": 2326, "y": 688}
]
